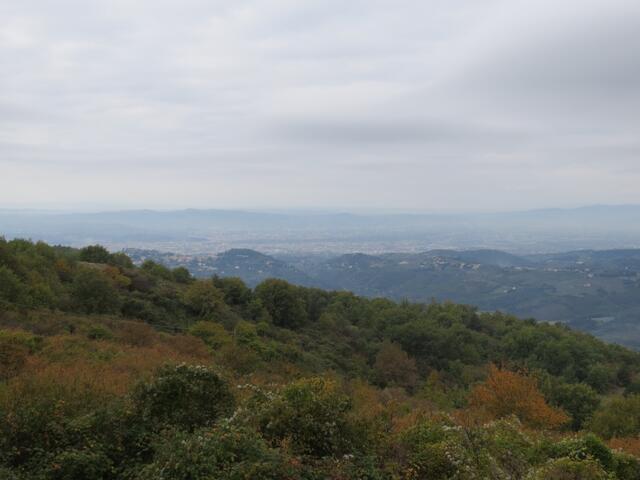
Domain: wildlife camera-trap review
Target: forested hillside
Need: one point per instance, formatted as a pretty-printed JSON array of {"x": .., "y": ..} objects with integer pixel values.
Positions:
[
  {"x": 593, "y": 291},
  {"x": 111, "y": 371}
]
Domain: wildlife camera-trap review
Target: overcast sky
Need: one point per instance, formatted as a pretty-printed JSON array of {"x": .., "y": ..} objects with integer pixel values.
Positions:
[{"x": 422, "y": 105}]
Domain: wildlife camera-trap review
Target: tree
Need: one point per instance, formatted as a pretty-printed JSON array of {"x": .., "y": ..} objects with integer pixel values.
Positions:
[
  {"x": 578, "y": 400},
  {"x": 121, "y": 260},
  {"x": 394, "y": 367},
  {"x": 283, "y": 302},
  {"x": 204, "y": 299},
  {"x": 95, "y": 254},
  {"x": 235, "y": 290},
  {"x": 93, "y": 292},
  {"x": 506, "y": 393},
  {"x": 619, "y": 417},
  {"x": 11, "y": 288},
  {"x": 181, "y": 275},
  {"x": 156, "y": 270}
]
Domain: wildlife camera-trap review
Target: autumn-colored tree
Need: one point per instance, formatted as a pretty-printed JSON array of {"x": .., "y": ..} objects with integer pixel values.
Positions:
[
  {"x": 394, "y": 367},
  {"x": 505, "y": 393}
]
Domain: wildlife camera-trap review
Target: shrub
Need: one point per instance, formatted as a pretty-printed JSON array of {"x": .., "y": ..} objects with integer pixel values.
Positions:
[
  {"x": 184, "y": 397},
  {"x": 79, "y": 465},
  {"x": 99, "y": 332},
  {"x": 620, "y": 417},
  {"x": 312, "y": 416},
  {"x": 583, "y": 448},
  {"x": 570, "y": 469},
  {"x": 429, "y": 453},
  {"x": 211, "y": 333},
  {"x": 224, "y": 453}
]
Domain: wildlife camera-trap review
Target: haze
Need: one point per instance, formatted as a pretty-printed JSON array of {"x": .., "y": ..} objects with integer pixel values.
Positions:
[{"x": 422, "y": 105}]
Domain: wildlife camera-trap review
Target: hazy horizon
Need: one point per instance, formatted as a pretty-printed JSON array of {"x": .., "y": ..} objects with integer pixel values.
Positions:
[{"x": 47, "y": 209}]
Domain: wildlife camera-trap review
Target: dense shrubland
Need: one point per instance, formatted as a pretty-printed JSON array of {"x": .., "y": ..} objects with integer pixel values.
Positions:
[{"x": 113, "y": 371}]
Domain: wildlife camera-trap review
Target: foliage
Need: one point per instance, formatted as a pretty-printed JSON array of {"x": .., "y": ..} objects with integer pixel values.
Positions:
[
  {"x": 94, "y": 292},
  {"x": 619, "y": 417},
  {"x": 282, "y": 301},
  {"x": 226, "y": 452},
  {"x": 310, "y": 415},
  {"x": 184, "y": 397},
  {"x": 507, "y": 393},
  {"x": 394, "y": 367},
  {"x": 204, "y": 299},
  {"x": 107, "y": 372}
]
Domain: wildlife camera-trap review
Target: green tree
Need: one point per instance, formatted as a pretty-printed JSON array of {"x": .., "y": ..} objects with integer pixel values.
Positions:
[
  {"x": 184, "y": 396},
  {"x": 11, "y": 287},
  {"x": 204, "y": 299},
  {"x": 93, "y": 292},
  {"x": 578, "y": 400},
  {"x": 313, "y": 415},
  {"x": 618, "y": 417},
  {"x": 283, "y": 302},
  {"x": 235, "y": 290},
  {"x": 95, "y": 254},
  {"x": 181, "y": 275},
  {"x": 227, "y": 452}
]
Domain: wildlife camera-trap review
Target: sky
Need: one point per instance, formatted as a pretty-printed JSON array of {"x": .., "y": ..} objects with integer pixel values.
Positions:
[{"x": 421, "y": 105}]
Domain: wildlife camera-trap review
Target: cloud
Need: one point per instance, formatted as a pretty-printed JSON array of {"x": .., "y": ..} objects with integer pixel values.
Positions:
[{"x": 440, "y": 104}]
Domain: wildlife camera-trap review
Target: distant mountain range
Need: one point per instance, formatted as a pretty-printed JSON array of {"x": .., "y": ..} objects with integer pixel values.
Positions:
[
  {"x": 551, "y": 230},
  {"x": 596, "y": 291}
]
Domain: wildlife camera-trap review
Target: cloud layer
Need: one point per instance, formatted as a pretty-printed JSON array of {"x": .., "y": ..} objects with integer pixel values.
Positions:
[{"x": 438, "y": 105}]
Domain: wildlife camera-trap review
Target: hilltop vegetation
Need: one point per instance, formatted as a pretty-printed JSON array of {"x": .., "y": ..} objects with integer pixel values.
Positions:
[
  {"x": 594, "y": 291},
  {"x": 113, "y": 371}
]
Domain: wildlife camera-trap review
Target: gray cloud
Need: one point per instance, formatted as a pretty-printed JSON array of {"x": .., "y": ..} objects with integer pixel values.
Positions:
[{"x": 452, "y": 104}]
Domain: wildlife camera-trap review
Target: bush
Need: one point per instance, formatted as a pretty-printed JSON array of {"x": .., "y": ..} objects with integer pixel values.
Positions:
[
  {"x": 79, "y": 465},
  {"x": 312, "y": 415},
  {"x": 429, "y": 453},
  {"x": 620, "y": 417},
  {"x": 583, "y": 448},
  {"x": 627, "y": 467},
  {"x": 99, "y": 332},
  {"x": 211, "y": 333},
  {"x": 224, "y": 453},
  {"x": 569, "y": 469},
  {"x": 184, "y": 397}
]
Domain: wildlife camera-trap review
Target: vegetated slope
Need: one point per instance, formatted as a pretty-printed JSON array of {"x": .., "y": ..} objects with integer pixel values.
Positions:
[
  {"x": 594, "y": 291},
  {"x": 113, "y": 371}
]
